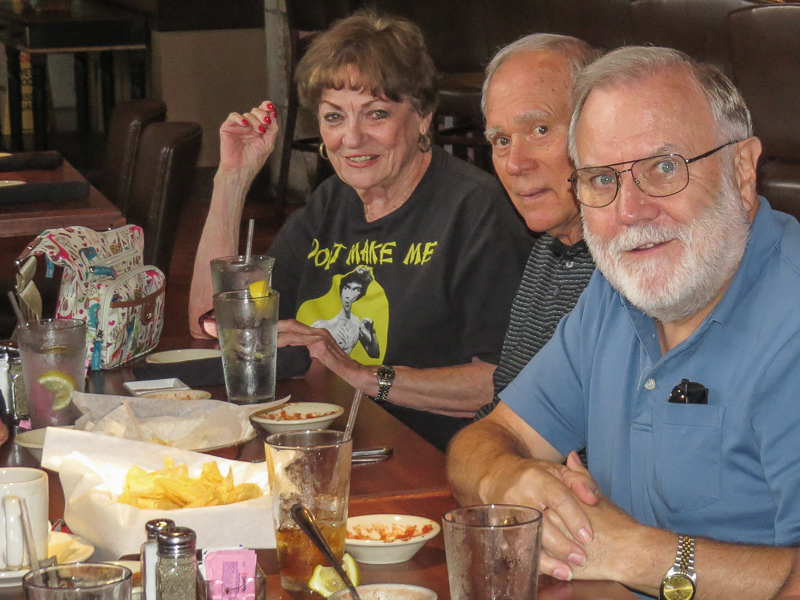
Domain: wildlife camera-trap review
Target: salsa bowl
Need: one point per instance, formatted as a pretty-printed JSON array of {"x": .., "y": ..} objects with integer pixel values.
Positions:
[
  {"x": 297, "y": 416},
  {"x": 388, "y": 591},
  {"x": 388, "y": 539}
]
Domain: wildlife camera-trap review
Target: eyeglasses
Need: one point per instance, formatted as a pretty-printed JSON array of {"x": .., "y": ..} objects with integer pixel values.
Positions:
[{"x": 657, "y": 176}]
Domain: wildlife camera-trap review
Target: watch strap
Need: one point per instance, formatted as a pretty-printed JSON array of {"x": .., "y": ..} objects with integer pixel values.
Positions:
[
  {"x": 385, "y": 375},
  {"x": 684, "y": 559}
]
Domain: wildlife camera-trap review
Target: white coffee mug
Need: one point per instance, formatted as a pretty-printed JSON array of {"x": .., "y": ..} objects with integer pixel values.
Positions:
[{"x": 31, "y": 484}]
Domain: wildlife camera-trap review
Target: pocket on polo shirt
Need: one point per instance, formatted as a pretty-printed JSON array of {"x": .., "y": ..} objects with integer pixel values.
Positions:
[{"x": 688, "y": 454}]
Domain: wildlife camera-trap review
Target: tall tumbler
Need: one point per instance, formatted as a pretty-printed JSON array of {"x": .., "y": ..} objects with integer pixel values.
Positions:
[
  {"x": 493, "y": 552},
  {"x": 79, "y": 581},
  {"x": 313, "y": 468},
  {"x": 235, "y": 273},
  {"x": 248, "y": 337},
  {"x": 53, "y": 353}
]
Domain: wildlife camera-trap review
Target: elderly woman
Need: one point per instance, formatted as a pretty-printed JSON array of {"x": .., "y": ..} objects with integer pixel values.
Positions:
[{"x": 442, "y": 246}]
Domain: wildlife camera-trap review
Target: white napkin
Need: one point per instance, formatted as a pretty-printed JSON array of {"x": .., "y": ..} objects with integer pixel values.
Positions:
[
  {"x": 92, "y": 469},
  {"x": 186, "y": 424}
]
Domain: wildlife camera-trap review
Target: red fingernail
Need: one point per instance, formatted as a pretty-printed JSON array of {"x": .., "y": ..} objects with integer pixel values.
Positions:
[
  {"x": 270, "y": 106},
  {"x": 275, "y": 112},
  {"x": 245, "y": 122},
  {"x": 267, "y": 120},
  {"x": 262, "y": 129}
]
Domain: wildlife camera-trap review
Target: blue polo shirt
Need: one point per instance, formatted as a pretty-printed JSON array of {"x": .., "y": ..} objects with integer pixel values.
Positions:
[{"x": 728, "y": 470}]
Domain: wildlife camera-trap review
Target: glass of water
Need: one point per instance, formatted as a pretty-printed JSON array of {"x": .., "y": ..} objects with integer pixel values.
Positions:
[
  {"x": 236, "y": 273},
  {"x": 248, "y": 337},
  {"x": 493, "y": 552}
]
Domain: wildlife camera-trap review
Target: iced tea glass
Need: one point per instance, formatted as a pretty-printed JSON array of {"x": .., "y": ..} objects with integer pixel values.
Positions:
[
  {"x": 311, "y": 467},
  {"x": 493, "y": 552},
  {"x": 248, "y": 339},
  {"x": 53, "y": 353}
]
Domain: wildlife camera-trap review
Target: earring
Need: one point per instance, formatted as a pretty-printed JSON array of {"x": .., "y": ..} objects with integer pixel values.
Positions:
[
  {"x": 424, "y": 142},
  {"x": 322, "y": 152}
]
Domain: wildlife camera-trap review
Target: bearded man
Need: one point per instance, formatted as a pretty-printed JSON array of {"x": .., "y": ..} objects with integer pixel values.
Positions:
[{"x": 677, "y": 369}]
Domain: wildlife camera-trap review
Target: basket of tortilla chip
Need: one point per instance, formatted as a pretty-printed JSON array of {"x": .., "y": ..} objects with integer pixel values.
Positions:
[{"x": 113, "y": 486}]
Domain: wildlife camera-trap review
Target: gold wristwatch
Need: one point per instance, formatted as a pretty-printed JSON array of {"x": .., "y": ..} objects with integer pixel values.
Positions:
[
  {"x": 385, "y": 375},
  {"x": 680, "y": 582}
]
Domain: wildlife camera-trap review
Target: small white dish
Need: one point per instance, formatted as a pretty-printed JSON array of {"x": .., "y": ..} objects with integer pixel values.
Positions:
[
  {"x": 33, "y": 440},
  {"x": 140, "y": 388},
  {"x": 388, "y": 591},
  {"x": 71, "y": 549},
  {"x": 379, "y": 552},
  {"x": 136, "y": 568},
  {"x": 286, "y": 417},
  {"x": 179, "y": 395},
  {"x": 173, "y": 356}
]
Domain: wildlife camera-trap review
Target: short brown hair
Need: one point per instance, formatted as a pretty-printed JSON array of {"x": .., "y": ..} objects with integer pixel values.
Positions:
[{"x": 382, "y": 55}]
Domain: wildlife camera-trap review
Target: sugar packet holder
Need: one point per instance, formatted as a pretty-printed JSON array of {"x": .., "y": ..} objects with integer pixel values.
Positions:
[{"x": 232, "y": 574}]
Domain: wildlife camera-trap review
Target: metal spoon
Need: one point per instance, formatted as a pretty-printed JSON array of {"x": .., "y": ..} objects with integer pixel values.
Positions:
[{"x": 305, "y": 520}]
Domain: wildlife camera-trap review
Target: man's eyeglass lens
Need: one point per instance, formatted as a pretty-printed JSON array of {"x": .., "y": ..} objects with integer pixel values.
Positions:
[{"x": 656, "y": 176}]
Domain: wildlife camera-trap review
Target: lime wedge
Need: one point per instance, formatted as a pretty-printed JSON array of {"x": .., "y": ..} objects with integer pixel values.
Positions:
[
  {"x": 61, "y": 385},
  {"x": 325, "y": 581}
]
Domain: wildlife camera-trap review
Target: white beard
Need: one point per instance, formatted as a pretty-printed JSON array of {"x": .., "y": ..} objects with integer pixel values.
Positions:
[{"x": 669, "y": 291}]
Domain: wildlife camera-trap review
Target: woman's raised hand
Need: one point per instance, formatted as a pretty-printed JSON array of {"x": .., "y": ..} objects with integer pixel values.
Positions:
[{"x": 247, "y": 140}]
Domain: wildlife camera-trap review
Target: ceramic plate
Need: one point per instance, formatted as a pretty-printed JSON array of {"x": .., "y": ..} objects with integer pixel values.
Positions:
[
  {"x": 172, "y": 356},
  {"x": 70, "y": 549},
  {"x": 33, "y": 440}
]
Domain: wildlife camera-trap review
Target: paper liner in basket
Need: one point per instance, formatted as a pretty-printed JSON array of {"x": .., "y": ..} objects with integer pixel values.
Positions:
[
  {"x": 186, "y": 424},
  {"x": 92, "y": 470}
]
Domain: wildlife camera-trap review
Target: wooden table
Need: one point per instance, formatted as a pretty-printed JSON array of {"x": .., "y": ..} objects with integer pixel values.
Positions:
[
  {"x": 87, "y": 27},
  {"x": 413, "y": 482},
  {"x": 31, "y": 218}
]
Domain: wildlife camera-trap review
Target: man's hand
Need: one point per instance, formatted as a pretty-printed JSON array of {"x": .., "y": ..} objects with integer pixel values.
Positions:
[{"x": 518, "y": 466}]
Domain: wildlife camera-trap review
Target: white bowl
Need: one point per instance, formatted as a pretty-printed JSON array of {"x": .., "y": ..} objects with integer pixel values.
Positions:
[
  {"x": 179, "y": 395},
  {"x": 136, "y": 568},
  {"x": 378, "y": 552},
  {"x": 297, "y": 408},
  {"x": 387, "y": 591}
]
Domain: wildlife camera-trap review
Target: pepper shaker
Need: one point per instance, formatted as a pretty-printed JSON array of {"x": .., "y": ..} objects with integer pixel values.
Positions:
[{"x": 176, "y": 571}]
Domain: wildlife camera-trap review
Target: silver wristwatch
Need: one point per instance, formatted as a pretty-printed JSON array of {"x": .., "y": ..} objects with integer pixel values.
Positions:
[
  {"x": 385, "y": 375},
  {"x": 680, "y": 582}
]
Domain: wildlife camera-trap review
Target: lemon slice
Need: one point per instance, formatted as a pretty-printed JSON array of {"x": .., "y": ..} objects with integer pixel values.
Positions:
[
  {"x": 325, "y": 581},
  {"x": 258, "y": 290},
  {"x": 62, "y": 386}
]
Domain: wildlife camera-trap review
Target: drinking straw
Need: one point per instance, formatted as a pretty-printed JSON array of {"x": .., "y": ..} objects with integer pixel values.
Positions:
[
  {"x": 29, "y": 541},
  {"x": 15, "y": 306},
  {"x": 351, "y": 420},
  {"x": 249, "y": 250}
]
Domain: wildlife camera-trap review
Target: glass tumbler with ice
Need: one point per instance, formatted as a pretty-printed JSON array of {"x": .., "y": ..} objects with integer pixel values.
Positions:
[{"x": 248, "y": 336}]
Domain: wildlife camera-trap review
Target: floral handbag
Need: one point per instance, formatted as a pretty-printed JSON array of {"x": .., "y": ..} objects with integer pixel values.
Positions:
[{"x": 106, "y": 285}]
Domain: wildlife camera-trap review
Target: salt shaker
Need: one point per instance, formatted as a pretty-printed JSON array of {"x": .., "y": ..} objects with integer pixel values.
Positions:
[
  {"x": 149, "y": 555},
  {"x": 176, "y": 570}
]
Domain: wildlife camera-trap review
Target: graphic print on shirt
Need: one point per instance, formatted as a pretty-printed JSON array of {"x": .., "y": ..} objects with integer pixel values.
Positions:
[{"x": 356, "y": 312}]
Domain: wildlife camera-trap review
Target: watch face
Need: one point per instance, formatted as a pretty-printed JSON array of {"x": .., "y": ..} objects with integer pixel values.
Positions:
[
  {"x": 677, "y": 587},
  {"x": 385, "y": 373}
]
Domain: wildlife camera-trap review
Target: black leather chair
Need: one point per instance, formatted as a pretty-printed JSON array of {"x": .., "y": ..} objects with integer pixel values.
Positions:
[
  {"x": 697, "y": 27},
  {"x": 765, "y": 49},
  {"x": 457, "y": 38},
  {"x": 305, "y": 18},
  {"x": 128, "y": 120},
  {"x": 605, "y": 24},
  {"x": 162, "y": 180}
]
